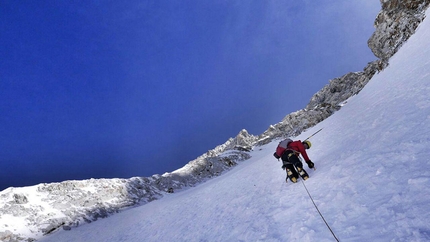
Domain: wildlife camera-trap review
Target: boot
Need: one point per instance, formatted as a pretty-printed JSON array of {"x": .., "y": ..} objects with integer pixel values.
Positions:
[
  {"x": 302, "y": 173},
  {"x": 291, "y": 176}
]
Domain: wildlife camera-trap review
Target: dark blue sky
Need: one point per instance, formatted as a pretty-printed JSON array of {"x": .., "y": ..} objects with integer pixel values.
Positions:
[{"x": 104, "y": 89}]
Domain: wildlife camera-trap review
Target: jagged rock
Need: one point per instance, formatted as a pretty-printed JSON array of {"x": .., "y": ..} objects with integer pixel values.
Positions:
[
  {"x": 294, "y": 123},
  {"x": 67, "y": 228},
  {"x": 394, "y": 24},
  {"x": 20, "y": 199}
]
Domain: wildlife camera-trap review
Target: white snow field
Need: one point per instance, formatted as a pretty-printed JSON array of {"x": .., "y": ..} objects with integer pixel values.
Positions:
[{"x": 372, "y": 181}]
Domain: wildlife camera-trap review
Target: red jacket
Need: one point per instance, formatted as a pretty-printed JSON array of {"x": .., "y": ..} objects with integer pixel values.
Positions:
[{"x": 298, "y": 148}]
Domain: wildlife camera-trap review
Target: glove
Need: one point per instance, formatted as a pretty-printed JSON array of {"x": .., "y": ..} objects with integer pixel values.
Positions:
[{"x": 310, "y": 164}]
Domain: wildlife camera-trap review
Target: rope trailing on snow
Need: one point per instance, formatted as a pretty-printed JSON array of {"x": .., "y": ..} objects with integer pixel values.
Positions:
[{"x": 319, "y": 212}]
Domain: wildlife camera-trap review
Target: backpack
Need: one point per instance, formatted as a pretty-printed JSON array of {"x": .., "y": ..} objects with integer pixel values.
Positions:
[{"x": 282, "y": 146}]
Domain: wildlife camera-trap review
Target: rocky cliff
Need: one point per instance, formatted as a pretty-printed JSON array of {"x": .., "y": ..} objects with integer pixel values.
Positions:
[
  {"x": 28, "y": 213},
  {"x": 394, "y": 24}
]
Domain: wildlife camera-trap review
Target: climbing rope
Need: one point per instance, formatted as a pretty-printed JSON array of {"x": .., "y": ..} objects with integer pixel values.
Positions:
[{"x": 319, "y": 212}]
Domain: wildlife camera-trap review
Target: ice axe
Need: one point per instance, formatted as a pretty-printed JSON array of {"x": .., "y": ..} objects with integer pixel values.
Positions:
[{"x": 313, "y": 134}]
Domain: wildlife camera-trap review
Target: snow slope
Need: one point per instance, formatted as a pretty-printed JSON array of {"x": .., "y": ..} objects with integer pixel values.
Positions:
[{"x": 372, "y": 181}]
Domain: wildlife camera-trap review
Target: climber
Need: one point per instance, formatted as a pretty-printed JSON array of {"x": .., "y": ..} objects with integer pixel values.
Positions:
[{"x": 290, "y": 160}]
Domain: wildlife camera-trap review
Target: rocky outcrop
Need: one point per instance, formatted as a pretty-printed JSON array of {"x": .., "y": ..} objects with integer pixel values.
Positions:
[
  {"x": 322, "y": 104},
  {"x": 395, "y": 23},
  {"x": 242, "y": 142},
  {"x": 340, "y": 89}
]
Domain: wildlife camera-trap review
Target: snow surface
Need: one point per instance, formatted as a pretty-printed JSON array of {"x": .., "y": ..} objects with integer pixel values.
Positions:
[{"x": 371, "y": 183}]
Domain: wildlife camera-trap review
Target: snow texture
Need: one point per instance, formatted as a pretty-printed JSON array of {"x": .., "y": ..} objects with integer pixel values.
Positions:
[{"x": 371, "y": 183}]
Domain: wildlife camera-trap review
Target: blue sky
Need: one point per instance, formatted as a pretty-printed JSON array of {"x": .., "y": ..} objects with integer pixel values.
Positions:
[{"x": 102, "y": 89}]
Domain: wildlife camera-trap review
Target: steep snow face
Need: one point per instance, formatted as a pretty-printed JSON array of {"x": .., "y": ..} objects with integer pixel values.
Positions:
[{"x": 371, "y": 183}]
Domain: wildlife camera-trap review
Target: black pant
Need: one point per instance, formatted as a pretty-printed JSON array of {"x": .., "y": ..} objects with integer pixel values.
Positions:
[{"x": 290, "y": 160}]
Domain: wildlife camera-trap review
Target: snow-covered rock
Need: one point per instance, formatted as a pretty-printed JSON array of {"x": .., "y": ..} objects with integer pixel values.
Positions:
[{"x": 28, "y": 213}]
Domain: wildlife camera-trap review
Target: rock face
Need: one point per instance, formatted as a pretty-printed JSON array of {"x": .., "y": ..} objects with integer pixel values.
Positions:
[
  {"x": 29, "y": 213},
  {"x": 395, "y": 23}
]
